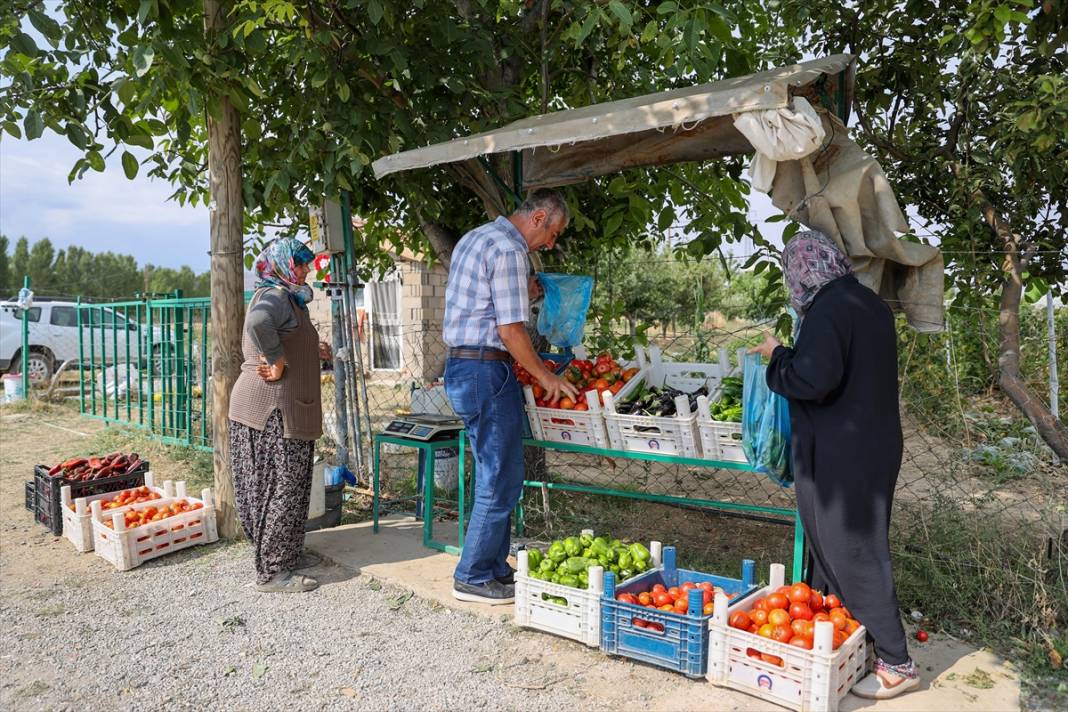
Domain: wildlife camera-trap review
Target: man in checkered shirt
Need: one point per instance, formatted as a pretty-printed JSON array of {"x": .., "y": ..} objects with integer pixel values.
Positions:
[{"x": 486, "y": 308}]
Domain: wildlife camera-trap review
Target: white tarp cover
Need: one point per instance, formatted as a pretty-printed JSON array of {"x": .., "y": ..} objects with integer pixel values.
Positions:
[
  {"x": 829, "y": 185},
  {"x": 669, "y": 110}
]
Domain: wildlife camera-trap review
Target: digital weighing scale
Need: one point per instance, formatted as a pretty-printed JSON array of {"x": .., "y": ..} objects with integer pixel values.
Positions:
[{"x": 424, "y": 426}]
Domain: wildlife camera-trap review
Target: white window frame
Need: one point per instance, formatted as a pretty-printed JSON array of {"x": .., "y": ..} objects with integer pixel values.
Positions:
[{"x": 369, "y": 301}]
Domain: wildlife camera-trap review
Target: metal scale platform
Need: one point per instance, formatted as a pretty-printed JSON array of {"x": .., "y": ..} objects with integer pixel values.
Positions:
[{"x": 424, "y": 426}]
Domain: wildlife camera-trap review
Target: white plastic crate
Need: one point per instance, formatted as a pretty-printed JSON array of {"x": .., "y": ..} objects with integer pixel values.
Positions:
[
  {"x": 578, "y": 427},
  {"x": 129, "y": 548},
  {"x": 77, "y": 517},
  {"x": 672, "y": 435},
  {"x": 807, "y": 681},
  {"x": 580, "y": 619},
  {"x": 720, "y": 440}
]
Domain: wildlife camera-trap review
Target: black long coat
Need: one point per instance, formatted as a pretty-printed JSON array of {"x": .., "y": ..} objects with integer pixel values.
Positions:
[{"x": 841, "y": 381}]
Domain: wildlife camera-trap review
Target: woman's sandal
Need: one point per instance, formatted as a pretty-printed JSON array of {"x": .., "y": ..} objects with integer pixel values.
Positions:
[
  {"x": 288, "y": 582},
  {"x": 873, "y": 687}
]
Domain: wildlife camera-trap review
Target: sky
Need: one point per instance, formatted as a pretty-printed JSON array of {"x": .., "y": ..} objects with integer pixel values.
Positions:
[{"x": 100, "y": 212}]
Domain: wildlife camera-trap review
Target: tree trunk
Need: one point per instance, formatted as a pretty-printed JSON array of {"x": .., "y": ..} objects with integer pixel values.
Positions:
[
  {"x": 227, "y": 280},
  {"x": 1049, "y": 427}
]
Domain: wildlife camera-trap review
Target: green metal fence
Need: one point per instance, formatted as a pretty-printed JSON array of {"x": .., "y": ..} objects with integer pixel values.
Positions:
[{"x": 147, "y": 363}]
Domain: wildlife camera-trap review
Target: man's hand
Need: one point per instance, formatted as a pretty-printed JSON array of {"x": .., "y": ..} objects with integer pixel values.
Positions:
[
  {"x": 271, "y": 372},
  {"x": 766, "y": 348},
  {"x": 557, "y": 388},
  {"x": 534, "y": 288}
]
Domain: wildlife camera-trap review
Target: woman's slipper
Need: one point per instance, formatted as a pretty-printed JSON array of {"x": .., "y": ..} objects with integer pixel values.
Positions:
[
  {"x": 287, "y": 582},
  {"x": 874, "y": 687}
]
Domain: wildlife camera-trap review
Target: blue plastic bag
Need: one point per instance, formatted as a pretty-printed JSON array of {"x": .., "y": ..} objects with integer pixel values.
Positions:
[
  {"x": 563, "y": 313},
  {"x": 765, "y": 424}
]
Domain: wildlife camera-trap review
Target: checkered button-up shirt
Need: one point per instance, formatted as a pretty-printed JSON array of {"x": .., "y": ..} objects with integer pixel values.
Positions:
[{"x": 487, "y": 285}]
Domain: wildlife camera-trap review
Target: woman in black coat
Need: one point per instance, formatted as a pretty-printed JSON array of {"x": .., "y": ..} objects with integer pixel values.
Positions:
[{"x": 840, "y": 379}]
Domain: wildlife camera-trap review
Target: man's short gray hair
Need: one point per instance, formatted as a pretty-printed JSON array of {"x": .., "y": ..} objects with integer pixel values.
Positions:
[{"x": 547, "y": 199}]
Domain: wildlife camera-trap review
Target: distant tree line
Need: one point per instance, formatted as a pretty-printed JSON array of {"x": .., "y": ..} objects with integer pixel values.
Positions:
[{"x": 77, "y": 272}]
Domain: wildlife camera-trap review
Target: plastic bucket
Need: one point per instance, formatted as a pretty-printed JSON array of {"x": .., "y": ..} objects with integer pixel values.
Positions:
[{"x": 13, "y": 388}]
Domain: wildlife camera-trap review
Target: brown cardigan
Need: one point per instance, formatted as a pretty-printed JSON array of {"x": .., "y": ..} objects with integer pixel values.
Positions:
[{"x": 297, "y": 394}]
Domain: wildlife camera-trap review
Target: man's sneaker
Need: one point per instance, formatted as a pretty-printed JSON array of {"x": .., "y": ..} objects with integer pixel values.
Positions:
[
  {"x": 508, "y": 578},
  {"x": 492, "y": 592}
]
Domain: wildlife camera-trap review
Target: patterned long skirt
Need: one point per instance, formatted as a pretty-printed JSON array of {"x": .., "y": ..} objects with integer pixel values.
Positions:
[{"x": 272, "y": 487}]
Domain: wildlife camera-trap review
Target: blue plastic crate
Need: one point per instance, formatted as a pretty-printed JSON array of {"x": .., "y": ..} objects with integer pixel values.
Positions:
[{"x": 683, "y": 644}]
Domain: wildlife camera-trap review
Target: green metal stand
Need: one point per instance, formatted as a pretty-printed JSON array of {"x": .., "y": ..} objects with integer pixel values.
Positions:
[
  {"x": 460, "y": 442},
  {"x": 428, "y": 449}
]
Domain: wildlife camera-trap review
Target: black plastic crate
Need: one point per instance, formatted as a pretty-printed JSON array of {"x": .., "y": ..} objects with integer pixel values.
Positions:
[
  {"x": 48, "y": 500},
  {"x": 31, "y": 500}
]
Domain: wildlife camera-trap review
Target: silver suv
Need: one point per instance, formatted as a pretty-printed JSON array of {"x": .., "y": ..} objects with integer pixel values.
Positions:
[{"x": 53, "y": 332}]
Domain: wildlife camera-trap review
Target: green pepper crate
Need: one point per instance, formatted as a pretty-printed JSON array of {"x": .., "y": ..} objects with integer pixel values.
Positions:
[
  {"x": 682, "y": 644},
  {"x": 578, "y": 617}
]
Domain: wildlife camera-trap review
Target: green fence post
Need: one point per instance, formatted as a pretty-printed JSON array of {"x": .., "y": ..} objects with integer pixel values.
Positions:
[
  {"x": 204, "y": 376},
  {"x": 140, "y": 366},
  {"x": 151, "y": 369},
  {"x": 181, "y": 385},
  {"x": 25, "y": 351},
  {"x": 92, "y": 359},
  {"x": 126, "y": 333},
  {"x": 81, "y": 359}
]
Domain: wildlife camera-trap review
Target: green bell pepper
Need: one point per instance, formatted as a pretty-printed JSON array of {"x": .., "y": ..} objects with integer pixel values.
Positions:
[
  {"x": 557, "y": 552},
  {"x": 586, "y": 539},
  {"x": 576, "y": 564},
  {"x": 546, "y": 566},
  {"x": 534, "y": 557},
  {"x": 638, "y": 552},
  {"x": 568, "y": 580},
  {"x": 572, "y": 546},
  {"x": 624, "y": 560}
]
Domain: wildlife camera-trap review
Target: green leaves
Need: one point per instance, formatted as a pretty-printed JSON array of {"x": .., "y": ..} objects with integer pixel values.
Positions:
[
  {"x": 142, "y": 56},
  {"x": 375, "y": 11},
  {"x": 24, "y": 44},
  {"x": 129, "y": 165},
  {"x": 34, "y": 124},
  {"x": 96, "y": 161},
  {"x": 46, "y": 26}
]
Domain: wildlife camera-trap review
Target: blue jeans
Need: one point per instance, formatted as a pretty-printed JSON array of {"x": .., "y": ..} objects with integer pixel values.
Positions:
[{"x": 486, "y": 395}]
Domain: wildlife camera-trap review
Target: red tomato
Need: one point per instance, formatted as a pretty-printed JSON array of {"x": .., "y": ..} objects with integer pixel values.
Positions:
[
  {"x": 668, "y": 608},
  {"x": 782, "y": 634},
  {"x": 778, "y": 616},
  {"x": 761, "y": 604},
  {"x": 777, "y": 600},
  {"x": 758, "y": 616},
  {"x": 921, "y": 635},
  {"x": 851, "y": 626},
  {"x": 831, "y": 602},
  {"x": 707, "y": 596},
  {"x": 797, "y": 625},
  {"x": 816, "y": 602},
  {"x": 708, "y": 609},
  {"x": 754, "y": 629},
  {"x": 839, "y": 638},
  {"x": 674, "y": 592},
  {"x": 800, "y": 610},
  {"x": 839, "y": 620},
  {"x": 681, "y": 605},
  {"x": 661, "y": 599},
  {"x": 766, "y": 630},
  {"x": 658, "y": 588},
  {"x": 740, "y": 620},
  {"x": 821, "y": 616},
  {"x": 627, "y": 598},
  {"x": 800, "y": 593},
  {"x": 645, "y": 598},
  {"x": 688, "y": 586},
  {"x": 706, "y": 586},
  {"x": 800, "y": 642},
  {"x": 639, "y": 623}
]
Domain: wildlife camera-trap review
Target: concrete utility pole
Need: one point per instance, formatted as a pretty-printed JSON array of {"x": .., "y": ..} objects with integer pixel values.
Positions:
[{"x": 227, "y": 278}]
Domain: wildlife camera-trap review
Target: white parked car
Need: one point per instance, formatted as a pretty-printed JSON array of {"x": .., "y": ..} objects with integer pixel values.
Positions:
[{"x": 53, "y": 337}]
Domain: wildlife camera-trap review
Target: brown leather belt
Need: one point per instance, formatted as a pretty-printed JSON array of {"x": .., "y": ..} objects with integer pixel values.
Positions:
[{"x": 486, "y": 354}]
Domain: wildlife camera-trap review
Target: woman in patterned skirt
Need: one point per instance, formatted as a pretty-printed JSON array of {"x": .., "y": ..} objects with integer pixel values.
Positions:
[{"x": 276, "y": 417}]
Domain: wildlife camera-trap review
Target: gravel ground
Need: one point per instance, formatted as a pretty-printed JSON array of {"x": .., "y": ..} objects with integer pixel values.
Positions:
[{"x": 188, "y": 632}]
